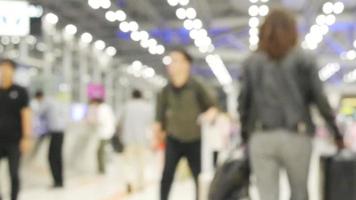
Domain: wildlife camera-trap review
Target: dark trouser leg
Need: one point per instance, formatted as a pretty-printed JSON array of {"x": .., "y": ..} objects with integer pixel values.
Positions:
[
  {"x": 172, "y": 157},
  {"x": 14, "y": 165},
  {"x": 193, "y": 154},
  {"x": 101, "y": 156},
  {"x": 55, "y": 158}
]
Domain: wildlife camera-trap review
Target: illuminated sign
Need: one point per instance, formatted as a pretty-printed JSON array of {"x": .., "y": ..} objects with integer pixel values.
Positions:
[{"x": 14, "y": 18}]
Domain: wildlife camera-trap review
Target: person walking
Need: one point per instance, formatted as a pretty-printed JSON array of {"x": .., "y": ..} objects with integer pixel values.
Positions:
[
  {"x": 179, "y": 106},
  {"x": 15, "y": 122},
  {"x": 279, "y": 85}
]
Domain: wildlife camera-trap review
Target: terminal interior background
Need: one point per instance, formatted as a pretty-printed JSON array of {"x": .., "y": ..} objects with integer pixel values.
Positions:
[{"x": 66, "y": 45}]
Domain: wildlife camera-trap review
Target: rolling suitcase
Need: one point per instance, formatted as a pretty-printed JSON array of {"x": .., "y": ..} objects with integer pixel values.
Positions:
[{"x": 339, "y": 177}]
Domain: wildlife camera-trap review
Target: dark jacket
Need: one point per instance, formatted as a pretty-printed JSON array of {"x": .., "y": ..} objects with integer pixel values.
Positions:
[{"x": 279, "y": 94}]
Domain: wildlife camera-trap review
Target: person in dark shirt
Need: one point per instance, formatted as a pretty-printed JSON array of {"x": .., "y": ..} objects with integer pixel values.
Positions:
[
  {"x": 179, "y": 106},
  {"x": 280, "y": 84},
  {"x": 15, "y": 122}
]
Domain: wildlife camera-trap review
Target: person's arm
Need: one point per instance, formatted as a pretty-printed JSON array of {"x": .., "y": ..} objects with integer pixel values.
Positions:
[
  {"x": 159, "y": 126},
  {"x": 208, "y": 103},
  {"x": 26, "y": 123},
  {"x": 244, "y": 104},
  {"x": 318, "y": 97}
]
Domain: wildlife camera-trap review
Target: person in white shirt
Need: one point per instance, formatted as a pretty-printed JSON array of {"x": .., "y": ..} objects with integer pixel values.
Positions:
[
  {"x": 137, "y": 118},
  {"x": 101, "y": 117}
]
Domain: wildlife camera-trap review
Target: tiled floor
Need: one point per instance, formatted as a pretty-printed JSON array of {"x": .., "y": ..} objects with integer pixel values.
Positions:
[{"x": 89, "y": 186}]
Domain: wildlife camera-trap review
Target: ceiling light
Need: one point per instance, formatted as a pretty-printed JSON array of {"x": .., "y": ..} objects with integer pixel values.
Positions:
[
  {"x": 70, "y": 29},
  {"x": 124, "y": 27},
  {"x": 106, "y": 4},
  {"x": 94, "y": 4},
  {"x": 110, "y": 16},
  {"x": 253, "y": 10},
  {"x": 188, "y": 24},
  {"x": 254, "y": 22},
  {"x": 264, "y": 10},
  {"x": 100, "y": 45},
  {"x": 339, "y": 7},
  {"x": 144, "y": 35},
  {"x": 197, "y": 24},
  {"x": 167, "y": 60},
  {"x": 135, "y": 36},
  {"x": 172, "y": 2},
  {"x": 133, "y": 26},
  {"x": 183, "y": 2},
  {"x": 120, "y": 15},
  {"x": 330, "y": 20},
  {"x": 51, "y": 18},
  {"x": 86, "y": 38},
  {"x": 111, "y": 51},
  {"x": 191, "y": 13},
  {"x": 160, "y": 49},
  {"x": 321, "y": 20},
  {"x": 181, "y": 13},
  {"x": 328, "y": 8}
]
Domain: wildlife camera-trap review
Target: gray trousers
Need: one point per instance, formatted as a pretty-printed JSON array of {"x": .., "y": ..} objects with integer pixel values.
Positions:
[{"x": 280, "y": 149}]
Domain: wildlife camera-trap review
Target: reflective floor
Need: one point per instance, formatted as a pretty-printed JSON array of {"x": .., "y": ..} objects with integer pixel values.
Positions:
[{"x": 82, "y": 181}]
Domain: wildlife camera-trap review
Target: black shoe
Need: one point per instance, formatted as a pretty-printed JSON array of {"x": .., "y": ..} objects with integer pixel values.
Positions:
[{"x": 56, "y": 186}]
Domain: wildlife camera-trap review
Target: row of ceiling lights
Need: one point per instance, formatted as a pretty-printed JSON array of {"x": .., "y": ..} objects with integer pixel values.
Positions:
[
  {"x": 322, "y": 24},
  {"x": 257, "y": 9},
  {"x": 201, "y": 39},
  {"x": 129, "y": 26},
  {"x": 86, "y": 38}
]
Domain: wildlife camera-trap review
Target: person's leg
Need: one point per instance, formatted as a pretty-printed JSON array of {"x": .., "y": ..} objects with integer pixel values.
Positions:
[
  {"x": 55, "y": 158},
  {"x": 265, "y": 165},
  {"x": 193, "y": 154},
  {"x": 172, "y": 157},
  {"x": 101, "y": 157},
  {"x": 296, "y": 154},
  {"x": 13, "y": 153}
]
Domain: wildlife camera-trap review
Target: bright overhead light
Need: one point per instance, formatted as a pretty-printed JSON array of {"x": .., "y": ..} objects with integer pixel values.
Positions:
[
  {"x": 202, "y": 42},
  {"x": 100, "y": 45},
  {"x": 144, "y": 43},
  {"x": 144, "y": 35},
  {"x": 148, "y": 72},
  {"x": 351, "y": 55},
  {"x": 121, "y": 15},
  {"x": 263, "y": 10},
  {"x": 253, "y": 10},
  {"x": 94, "y": 4},
  {"x": 70, "y": 29},
  {"x": 31, "y": 39},
  {"x": 328, "y": 8},
  {"x": 321, "y": 20},
  {"x": 183, "y": 2},
  {"x": 330, "y": 20},
  {"x": 135, "y": 36},
  {"x": 191, "y": 13},
  {"x": 152, "y": 50},
  {"x": 106, "y": 4},
  {"x": 181, "y": 13},
  {"x": 110, "y": 16},
  {"x": 137, "y": 65},
  {"x": 111, "y": 51},
  {"x": 193, "y": 34},
  {"x": 324, "y": 29},
  {"x": 5, "y": 40},
  {"x": 253, "y": 1},
  {"x": 152, "y": 43},
  {"x": 188, "y": 24},
  {"x": 339, "y": 7},
  {"x": 167, "y": 60},
  {"x": 355, "y": 44},
  {"x": 86, "y": 38},
  {"x": 328, "y": 71},
  {"x": 253, "y": 31},
  {"x": 15, "y": 40},
  {"x": 254, "y": 40},
  {"x": 51, "y": 18},
  {"x": 172, "y": 2},
  {"x": 197, "y": 24},
  {"x": 133, "y": 26},
  {"x": 160, "y": 49},
  {"x": 264, "y": 1},
  {"x": 124, "y": 26},
  {"x": 254, "y": 22}
]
